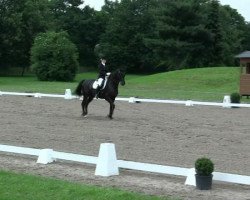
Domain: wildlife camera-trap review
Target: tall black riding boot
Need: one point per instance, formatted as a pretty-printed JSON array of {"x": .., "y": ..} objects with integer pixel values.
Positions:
[{"x": 98, "y": 89}]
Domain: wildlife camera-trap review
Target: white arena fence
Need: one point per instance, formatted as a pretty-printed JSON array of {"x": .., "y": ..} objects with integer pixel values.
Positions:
[
  {"x": 226, "y": 103},
  {"x": 108, "y": 165}
]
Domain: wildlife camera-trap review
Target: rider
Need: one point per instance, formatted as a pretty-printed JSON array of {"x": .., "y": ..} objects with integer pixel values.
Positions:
[{"x": 102, "y": 73}]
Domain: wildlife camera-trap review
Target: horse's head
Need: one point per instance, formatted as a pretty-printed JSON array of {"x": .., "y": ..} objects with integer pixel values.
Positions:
[{"x": 119, "y": 76}]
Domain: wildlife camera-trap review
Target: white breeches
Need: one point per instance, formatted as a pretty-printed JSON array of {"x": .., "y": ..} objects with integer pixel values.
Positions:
[{"x": 99, "y": 81}]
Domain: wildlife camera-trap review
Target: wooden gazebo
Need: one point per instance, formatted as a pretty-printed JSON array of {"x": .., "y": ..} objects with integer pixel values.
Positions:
[{"x": 245, "y": 73}]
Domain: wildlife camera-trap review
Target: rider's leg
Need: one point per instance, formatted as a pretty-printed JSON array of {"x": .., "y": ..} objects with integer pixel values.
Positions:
[
  {"x": 97, "y": 92},
  {"x": 98, "y": 89}
]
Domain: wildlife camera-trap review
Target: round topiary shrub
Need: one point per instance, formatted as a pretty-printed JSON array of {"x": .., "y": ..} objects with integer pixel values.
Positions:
[
  {"x": 54, "y": 57},
  {"x": 204, "y": 166},
  {"x": 235, "y": 97}
]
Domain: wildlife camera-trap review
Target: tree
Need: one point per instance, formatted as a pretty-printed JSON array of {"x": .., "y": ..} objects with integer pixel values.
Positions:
[
  {"x": 214, "y": 26},
  {"x": 123, "y": 41},
  {"x": 54, "y": 57},
  {"x": 10, "y": 32},
  {"x": 234, "y": 31},
  {"x": 181, "y": 37},
  {"x": 20, "y": 22},
  {"x": 246, "y": 40},
  {"x": 142, "y": 35},
  {"x": 83, "y": 25}
]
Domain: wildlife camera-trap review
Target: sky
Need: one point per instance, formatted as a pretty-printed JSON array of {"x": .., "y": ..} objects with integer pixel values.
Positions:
[{"x": 242, "y": 6}]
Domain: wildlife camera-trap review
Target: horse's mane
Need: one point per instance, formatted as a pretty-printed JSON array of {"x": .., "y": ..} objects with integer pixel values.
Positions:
[
  {"x": 114, "y": 75},
  {"x": 118, "y": 71}
]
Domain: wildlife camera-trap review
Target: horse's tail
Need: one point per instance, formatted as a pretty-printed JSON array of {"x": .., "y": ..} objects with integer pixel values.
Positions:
[{"x": 78, "y": 90}]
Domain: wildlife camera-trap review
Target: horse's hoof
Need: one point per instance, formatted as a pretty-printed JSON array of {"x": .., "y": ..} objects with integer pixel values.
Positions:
[
  {"x": 84, "y": 114},
  {"x": 110, "y": 117}
]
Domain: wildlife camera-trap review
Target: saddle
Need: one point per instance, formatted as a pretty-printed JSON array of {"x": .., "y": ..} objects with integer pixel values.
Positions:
[{"x": 95, "y": 84}]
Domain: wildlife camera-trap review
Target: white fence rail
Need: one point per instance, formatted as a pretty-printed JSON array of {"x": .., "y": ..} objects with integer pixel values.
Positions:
[
  {"x": 20, "y": 150},
  {"x": 75, "y": 157},
  {"x": 68, "y": 95},
  {"x": 107, "y": 164},
  {"x": 177, "y": 171}
]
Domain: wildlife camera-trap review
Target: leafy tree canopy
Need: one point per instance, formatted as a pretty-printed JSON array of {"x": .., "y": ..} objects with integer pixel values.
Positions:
[
  {"x": 141, "y": 35},
  {"x": 54, "y": 57}
]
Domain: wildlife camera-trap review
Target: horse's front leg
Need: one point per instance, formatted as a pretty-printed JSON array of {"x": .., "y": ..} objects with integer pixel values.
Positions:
[{"x": 111, "y": 108}]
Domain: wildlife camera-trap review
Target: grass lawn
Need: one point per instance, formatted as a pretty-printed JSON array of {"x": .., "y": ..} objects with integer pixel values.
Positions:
[
  {"x": 32, "y": 84},
  {"x": 27, "y": 187},
  {"x": 205, "y": 84}
]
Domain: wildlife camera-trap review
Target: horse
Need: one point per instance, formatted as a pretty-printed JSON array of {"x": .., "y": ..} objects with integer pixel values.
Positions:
[{"x": 109, "y": 93}]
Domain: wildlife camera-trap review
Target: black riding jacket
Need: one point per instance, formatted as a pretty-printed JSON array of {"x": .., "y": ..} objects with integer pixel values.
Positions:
[{"x": 102, "y": 70}]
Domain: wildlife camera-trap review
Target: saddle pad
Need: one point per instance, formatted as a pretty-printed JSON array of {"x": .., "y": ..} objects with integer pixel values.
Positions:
[{"x": 95, "y": 84}]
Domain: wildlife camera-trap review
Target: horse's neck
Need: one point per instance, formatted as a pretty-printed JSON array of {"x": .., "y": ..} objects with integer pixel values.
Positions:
[{"x": 114, "y": 83}]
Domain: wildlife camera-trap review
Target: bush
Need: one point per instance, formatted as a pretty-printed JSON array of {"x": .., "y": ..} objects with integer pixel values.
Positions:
[
  {"x": 54, "y": 57},
  {"x": 204, "y": 166},
  {"x": 235, "y": 97}
]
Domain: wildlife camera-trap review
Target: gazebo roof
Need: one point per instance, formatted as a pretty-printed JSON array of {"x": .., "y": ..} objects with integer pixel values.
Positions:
[{"x": 245, "y": 54}]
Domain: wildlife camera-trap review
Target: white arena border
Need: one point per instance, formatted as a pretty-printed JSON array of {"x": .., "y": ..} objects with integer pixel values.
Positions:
[
  {"x": 68, "y": 95},
  {"x": 108, "y": 165}
]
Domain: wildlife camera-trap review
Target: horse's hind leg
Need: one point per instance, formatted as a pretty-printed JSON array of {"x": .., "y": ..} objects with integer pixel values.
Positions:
[
  {"x": 84, "y": 111},
  {"x": 88, "y": 100}
]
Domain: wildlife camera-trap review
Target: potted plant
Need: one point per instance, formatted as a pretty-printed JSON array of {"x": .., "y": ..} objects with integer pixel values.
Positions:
[
  {"x": 204, "y": 168},
  {"x": 235, "y": 98}
]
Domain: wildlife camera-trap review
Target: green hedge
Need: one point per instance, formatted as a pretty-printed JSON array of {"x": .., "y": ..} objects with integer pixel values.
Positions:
[{"x": 54, "y": 57}]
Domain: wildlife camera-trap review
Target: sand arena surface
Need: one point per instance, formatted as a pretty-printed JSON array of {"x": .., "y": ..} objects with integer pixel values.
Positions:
[{"x": 166, "y": 134}]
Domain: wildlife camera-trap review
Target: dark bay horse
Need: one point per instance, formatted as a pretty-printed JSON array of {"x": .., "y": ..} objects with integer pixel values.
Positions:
[{"x": 109, "y": 93}]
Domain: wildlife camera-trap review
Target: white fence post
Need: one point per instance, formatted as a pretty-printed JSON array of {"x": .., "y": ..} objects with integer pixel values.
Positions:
[
  {"x": 107, "y": 163},
  {"x": 67, "y": 94},
  {"x": 45, "y": 156},
  {"x": 189, "y": 103},
  {"x": 226, "y": 102},
  {"x": 131, "y": 100},
  {"x": 37, "y": 95},
  {"x": 190, "y": 180}
]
